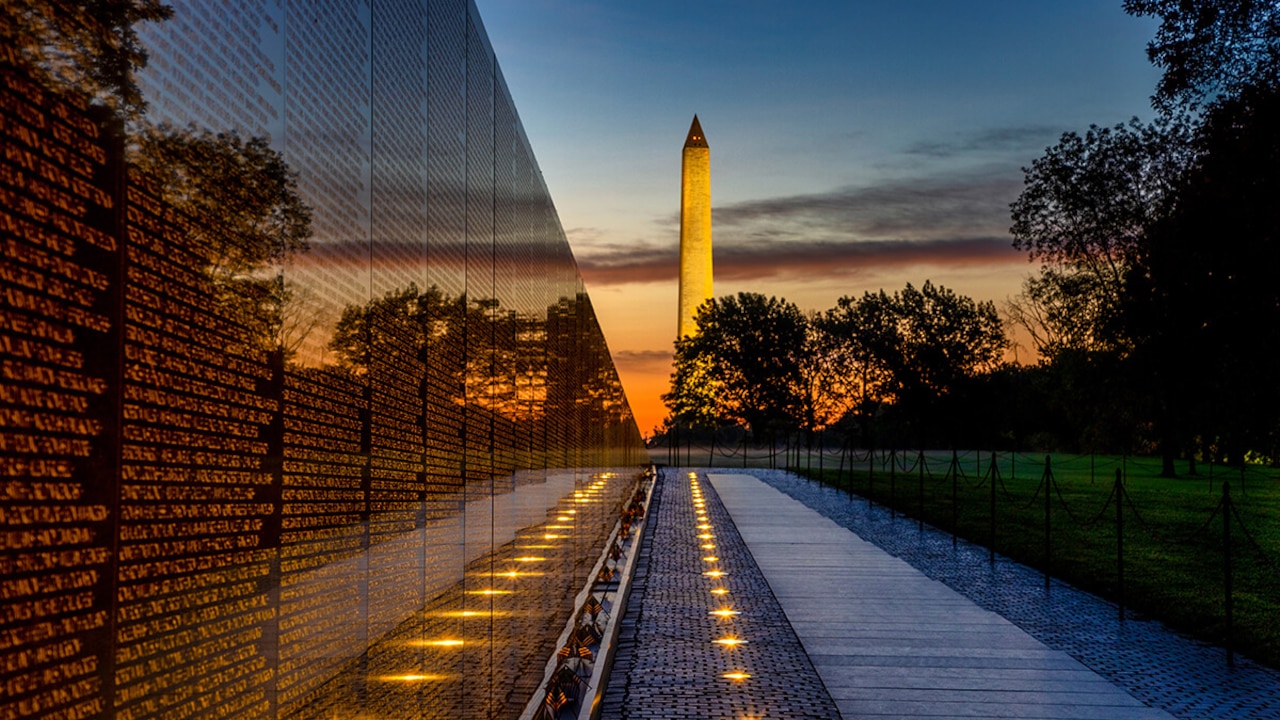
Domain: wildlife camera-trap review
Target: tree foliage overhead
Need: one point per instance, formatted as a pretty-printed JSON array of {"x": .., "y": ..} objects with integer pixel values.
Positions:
[
  {"x": 1211, "y": 48},
  {"x": 1084, "y": 214},
  {"x": 1159, "y": 243},
  {"x": 1203, "y": 298},
  {"x": 1088, "y": 200}
]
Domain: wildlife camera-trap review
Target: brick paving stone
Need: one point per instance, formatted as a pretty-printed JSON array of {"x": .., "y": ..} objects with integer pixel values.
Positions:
[
  {"x": 1160, "y": 667},
  {"x": 668, "y": 664}
]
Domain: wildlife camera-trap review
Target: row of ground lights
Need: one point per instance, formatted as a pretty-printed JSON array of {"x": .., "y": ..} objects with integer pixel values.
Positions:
[
  {"x": 707, "y": 542},
  {"x": 553, "y": 532}
]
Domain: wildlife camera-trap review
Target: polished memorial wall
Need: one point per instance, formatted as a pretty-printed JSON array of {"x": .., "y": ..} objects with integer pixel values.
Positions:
[{"x": 304, "y": 411}]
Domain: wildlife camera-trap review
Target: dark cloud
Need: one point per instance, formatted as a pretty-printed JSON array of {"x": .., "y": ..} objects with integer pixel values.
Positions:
[
  {"x": 819, "y": 259},
  {"x": 1023, "y": 141},
  {"x": 642, "y": 359},
  {"x": 900, "y": 209},
  {"x": 959, "y": 220}
]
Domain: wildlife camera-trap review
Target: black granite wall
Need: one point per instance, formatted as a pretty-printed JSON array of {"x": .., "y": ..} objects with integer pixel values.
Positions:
[{"x": 304, "y": 411}]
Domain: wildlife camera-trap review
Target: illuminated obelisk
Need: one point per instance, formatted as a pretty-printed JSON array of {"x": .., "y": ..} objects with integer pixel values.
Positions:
[{"x": 695, "y": 227}]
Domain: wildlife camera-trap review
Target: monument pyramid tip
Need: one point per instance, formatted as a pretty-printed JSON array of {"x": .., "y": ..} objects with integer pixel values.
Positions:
[{"x": 696, "y": 138}]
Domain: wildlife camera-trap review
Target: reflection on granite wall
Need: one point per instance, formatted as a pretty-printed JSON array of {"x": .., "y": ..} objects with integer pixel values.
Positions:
[{"x": 304, "y": 411}]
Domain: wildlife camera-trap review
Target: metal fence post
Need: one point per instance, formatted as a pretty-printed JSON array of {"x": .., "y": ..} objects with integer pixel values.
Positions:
[
  {"x": 955, "y": 499},
  {"x": 822, "y": 454},
  {"x": 1226, "y": 567},
  {"x": 995, "y": 476},
  {"x": 920, "y": 464},
  {"x": 1120, "y": 542},
  {"x": 840, "y": 468},
  {"x": 893, "y": 484},
  {"x": 1048, "y": 496},
  {"x": 871, "y": 475}
]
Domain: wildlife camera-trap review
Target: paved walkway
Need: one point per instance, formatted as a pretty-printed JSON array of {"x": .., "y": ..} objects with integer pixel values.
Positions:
[
  {"x": 888, "y": 642},
  {"x": 669, "y": 663},
  {"x": 1187, "y": 678},
  {"x": 848, "y": 607}
]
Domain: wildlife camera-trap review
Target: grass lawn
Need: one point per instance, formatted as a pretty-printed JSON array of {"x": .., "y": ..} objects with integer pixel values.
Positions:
[{"x": 1174, "y": 549}]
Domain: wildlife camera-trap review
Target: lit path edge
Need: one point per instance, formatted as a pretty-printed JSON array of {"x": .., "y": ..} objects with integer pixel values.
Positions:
[{"x": 888, "y": 642}]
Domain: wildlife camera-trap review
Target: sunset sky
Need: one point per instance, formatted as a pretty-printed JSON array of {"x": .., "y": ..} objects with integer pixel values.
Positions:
[{"x": 855, "y": 144}]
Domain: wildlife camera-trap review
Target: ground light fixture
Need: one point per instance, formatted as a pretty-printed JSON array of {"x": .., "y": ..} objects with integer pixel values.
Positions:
[
  {"x": 473, "y": 613},
  {"x": 723, "y": 612},
  {"x": 517, "y": 574},
  {"x": 443, "y": 643}
]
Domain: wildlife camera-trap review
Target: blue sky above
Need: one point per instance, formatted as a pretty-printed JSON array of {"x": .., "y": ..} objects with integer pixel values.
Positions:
[
  {"x": 854, "y": 145},
  {"x": 842, "y": 95}
]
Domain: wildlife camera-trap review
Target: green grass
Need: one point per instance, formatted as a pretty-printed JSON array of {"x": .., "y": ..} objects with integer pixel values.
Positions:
[{"x": 1173, "y": 543}]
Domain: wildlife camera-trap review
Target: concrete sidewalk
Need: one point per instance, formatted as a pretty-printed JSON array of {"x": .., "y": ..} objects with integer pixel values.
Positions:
[{"x": 888, "y": 642}]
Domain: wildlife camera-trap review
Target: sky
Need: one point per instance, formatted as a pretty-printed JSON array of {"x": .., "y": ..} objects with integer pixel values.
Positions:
[{"x": 856, "y": 145}]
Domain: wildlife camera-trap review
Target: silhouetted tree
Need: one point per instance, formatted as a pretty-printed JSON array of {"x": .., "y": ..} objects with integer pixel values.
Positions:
[
  {"x": 829, "y": 389},
  {"x": 1211, "y": 48},
  {"x": 746, "y": 361},
  {"x": 1084, "y": 214},
  {"x": 918, "y": 345},
  {"x": 1157, "y": 241},
  {"x": 1203, "y": 299}
]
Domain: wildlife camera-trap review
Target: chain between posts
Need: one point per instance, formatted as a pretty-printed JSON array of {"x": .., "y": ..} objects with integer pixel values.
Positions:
[
  {"x": 1119, "y": 495},
  {"x": 1257, "y": 547}
]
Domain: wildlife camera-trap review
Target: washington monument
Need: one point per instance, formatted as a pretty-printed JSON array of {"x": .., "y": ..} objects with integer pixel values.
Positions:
[{"x": 695, "y": 228}]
